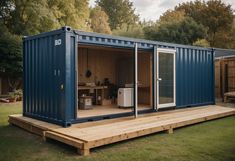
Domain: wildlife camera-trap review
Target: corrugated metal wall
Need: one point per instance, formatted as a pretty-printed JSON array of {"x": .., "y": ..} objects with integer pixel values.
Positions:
[
  {"x": 49, "y": 76},
  {"x": 194, "y": 77},
  {"x": 43, "y": 73}
]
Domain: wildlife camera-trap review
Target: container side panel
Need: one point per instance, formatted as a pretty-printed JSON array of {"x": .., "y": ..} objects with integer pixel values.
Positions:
[
  {"x": 194, "y": 77},
  {"x": 43, "y": 74}
]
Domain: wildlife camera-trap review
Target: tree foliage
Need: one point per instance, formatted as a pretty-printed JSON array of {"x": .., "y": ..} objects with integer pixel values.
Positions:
[
  {"x": 192, "y": 9},
  {"x": 119, "y": 11},
  {"x": 10, "y": 57},
  {"x": 174, "y": 27},
  {"x": 191, "y": 22},
  {"x": 74, "y": 13},
  {"x": 27, "y": 17},
  {"x": 201, "y": 43},
  {"x": 135, "y": 31},
  {"x": 215, "y": 15},
  {"x": 172, "y": 16},
  {"x": 99, "y": 21},
  {"x": 5, "y": 10},
  {"x": 10, "y": 53}
]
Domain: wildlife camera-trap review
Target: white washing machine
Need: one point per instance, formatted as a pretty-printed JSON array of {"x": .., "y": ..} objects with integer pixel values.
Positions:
[{"x": 125, "y": 97}]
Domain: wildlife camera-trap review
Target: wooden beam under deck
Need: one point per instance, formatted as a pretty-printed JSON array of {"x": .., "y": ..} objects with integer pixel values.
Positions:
[{"x": 89, "y": 135}]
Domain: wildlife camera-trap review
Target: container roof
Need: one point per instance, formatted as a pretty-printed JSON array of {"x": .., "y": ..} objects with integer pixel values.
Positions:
[
  {"x": 97, "y": 38},
  {"x": 111, "y": 40},
  {"x": 224, "y": 53}
]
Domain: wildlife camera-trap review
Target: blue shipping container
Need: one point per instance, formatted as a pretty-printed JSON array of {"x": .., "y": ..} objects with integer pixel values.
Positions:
[{"x": 50, "y": 73}]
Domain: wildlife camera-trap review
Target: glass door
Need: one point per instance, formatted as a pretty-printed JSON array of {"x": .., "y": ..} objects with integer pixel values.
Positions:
[{"x": 165, "y": 78}]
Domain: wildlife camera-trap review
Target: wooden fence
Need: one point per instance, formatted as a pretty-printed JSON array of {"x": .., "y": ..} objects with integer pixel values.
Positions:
[{"x": 224, "y": 76}]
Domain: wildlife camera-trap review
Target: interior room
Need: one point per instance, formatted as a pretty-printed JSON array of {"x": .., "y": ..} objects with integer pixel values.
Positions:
[{"x": 105, "y": 81}]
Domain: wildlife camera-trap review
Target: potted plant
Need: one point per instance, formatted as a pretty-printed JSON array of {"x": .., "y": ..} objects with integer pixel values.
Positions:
[
  {"x": 15, "y": 95},
  {"x": 12, "y": 97},
  {"x": 19, "y": 94}
]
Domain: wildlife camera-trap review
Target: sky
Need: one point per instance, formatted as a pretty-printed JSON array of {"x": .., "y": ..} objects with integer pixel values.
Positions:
[{"x": 153, "y": 9}]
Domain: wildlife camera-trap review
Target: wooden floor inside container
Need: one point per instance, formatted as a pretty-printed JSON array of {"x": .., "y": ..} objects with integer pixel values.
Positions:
[
  {"x": 99, "y": 110},
  {"x": 86, "y": 136}
]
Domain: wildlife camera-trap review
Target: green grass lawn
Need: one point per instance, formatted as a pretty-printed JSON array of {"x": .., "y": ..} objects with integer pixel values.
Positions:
[{"x": 209, "y": 141}]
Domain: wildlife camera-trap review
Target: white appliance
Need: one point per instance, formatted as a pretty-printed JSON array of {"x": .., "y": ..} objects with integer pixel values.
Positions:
[{"x": 125, "y": 97}]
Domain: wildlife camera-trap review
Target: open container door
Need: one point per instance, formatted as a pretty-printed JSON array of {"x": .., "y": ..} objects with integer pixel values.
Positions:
[
  {"x": 166, "y": 90},
  {"x": 144, "y": 80}
]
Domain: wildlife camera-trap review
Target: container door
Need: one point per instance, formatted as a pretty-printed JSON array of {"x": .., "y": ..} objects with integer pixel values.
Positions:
[
  {"x": 59, "y": 86},
  {"x": 165, "y": 78}
]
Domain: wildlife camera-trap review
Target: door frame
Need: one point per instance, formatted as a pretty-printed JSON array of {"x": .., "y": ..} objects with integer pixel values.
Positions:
[
  {"x": 134, "y": 111},
  {"x": 166, "y": 51},
  {"x": 136, "y": 80}
]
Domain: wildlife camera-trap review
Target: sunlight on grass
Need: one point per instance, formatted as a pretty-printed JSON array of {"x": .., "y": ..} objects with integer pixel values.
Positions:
[{"x": 8, "y": 109}]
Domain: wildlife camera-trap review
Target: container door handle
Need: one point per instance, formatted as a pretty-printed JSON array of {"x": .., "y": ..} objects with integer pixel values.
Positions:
[
  {"x": 159, "y": 79},
  {"x": 61, "y": 86}
]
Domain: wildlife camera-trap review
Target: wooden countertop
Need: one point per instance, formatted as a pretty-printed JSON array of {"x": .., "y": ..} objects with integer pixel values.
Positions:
[{"x": 91, "y": 87}]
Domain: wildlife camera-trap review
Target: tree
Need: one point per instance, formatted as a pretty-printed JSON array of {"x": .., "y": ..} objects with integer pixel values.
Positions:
[
  {"x": 224, "y": 39},
  {"x": 192, "y": 9},
  {"x": 5, "y": 10},
  {"x": 27, "y": 17},
  {"x": 172, "y": 15},
  {"x": 219, "y": 20},
  {"x": 10, "y": 57},
  {"x": 74, "y": 13},
  {"x": 99, "y": 21},
  {"x": 185, "y": 31},
  {"x": 119, "y": 11},
  {"x": 216, "y": 16},
  {"x": 202, "y": 43},
  {"x": 30, "y": 17},
  {"x": 135, "y": 31}
]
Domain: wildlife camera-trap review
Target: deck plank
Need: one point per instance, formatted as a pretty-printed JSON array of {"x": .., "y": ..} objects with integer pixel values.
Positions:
[
  {"x": 101, "y": 133},
  {"x": 90, "y": 131},
  {"x": 85, "y": 136}
]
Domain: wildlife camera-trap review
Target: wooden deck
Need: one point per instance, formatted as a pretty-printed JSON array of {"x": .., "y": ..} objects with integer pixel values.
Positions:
[{"x": 86, "y": 136}]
